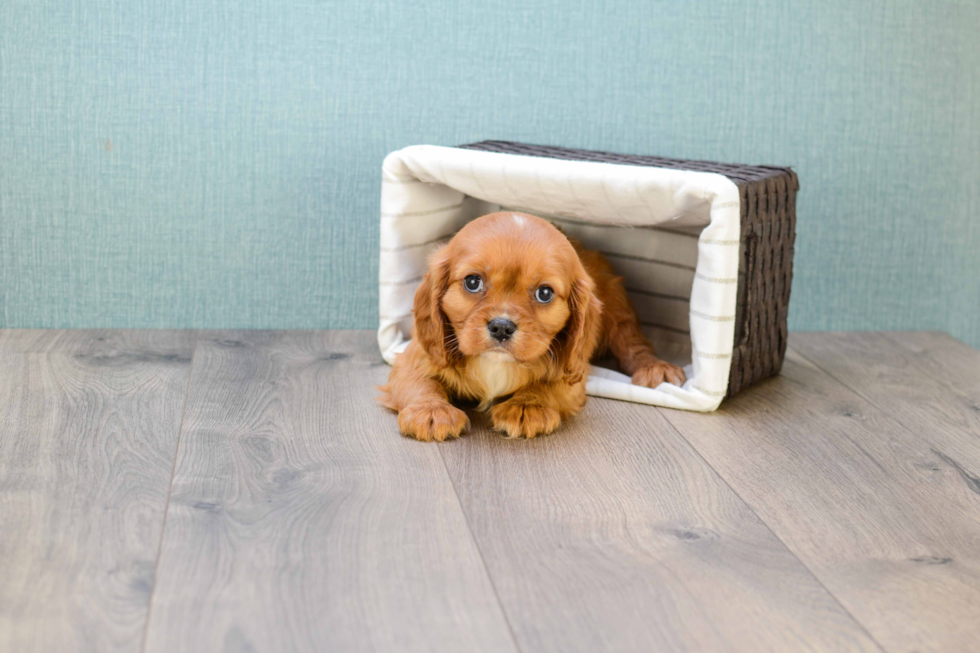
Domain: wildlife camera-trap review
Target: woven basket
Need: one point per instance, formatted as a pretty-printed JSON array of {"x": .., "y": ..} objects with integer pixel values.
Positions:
[
  {"x": 430, "y": 191},
  {"x": 768, "y": 232}
]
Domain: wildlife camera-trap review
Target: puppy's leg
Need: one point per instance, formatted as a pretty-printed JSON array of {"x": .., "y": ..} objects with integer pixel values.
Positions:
[
  {"x": 621, "y": 327},
  {"x": 538, "y": 408},
  {"x": 424, "y": 411},
  {"x": 636, "y": 356}
]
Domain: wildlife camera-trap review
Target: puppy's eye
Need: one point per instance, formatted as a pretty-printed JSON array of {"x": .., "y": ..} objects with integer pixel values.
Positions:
[
  {"x": 473, "y": 283},
  {"x": 544, "y": 294}
]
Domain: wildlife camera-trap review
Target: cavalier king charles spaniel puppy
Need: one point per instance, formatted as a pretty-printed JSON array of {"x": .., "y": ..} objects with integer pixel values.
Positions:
[{"x": 509, "y": 314}]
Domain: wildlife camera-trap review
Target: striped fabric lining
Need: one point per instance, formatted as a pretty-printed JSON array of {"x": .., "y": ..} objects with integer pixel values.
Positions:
[
  {"x": 400, "y": 283},
  {"x": 401, "y": 248},
  {"x": 418, "y": 214},
  {"x": 630, "y": 257},
  {"x": 658, "y": 295},
  {"x": 665, "y": 328},
  {"x": 713, "y": 318},
  {"x": 724, "y": 243},
  {"x": 710, "y": 393},
  {"x": 595, "y": 225},
  {"x": 700, "y": 276},
  {"x": 395, "y": 317},
  {"x": 701, "y": 354},
  {"x": 403, "y": 182}
]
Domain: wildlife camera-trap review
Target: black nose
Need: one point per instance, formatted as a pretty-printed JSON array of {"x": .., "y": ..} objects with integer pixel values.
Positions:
[{"x": 501, "y": 328}]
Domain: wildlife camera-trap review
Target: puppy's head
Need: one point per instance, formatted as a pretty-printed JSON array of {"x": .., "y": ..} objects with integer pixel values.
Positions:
[{"x": 510, "y": 285}]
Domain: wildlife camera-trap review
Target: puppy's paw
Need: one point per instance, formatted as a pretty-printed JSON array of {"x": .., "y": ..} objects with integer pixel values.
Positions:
[
  {"x": 522, "y": 420},
  {"x": 432, "y": 421},
  {"x": 652, "y": 375}
]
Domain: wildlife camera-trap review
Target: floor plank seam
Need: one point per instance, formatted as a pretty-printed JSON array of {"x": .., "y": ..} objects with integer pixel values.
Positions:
[
  {"x": 860, "y": 394},
  {"x": 943, "y": 381},
  {"x": 936, "y": 449},
  {"x": 483, "y": 560},
  {"x": 769, "y": 528},
  {"x": 166, "y": 509},
  {"x": 843, "y": 384}
]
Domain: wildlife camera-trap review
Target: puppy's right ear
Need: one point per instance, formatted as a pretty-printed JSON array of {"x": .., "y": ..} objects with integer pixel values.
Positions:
[{"x": 432, "y": 327}]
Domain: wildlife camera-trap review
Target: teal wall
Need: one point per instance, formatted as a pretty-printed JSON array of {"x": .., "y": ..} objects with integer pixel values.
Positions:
[{"x": 207, "y": 163}]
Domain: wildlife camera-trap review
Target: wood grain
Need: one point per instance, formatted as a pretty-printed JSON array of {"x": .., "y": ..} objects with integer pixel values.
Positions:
[
  {"x": 87, "y": 443},
  {"x": 613, "y": 535},
  {"x": 300, "y": 521},
  {"x": 928, "y": 381},
  {"x": 863, "y": 500},
  {"x": 846, "y": 501}
]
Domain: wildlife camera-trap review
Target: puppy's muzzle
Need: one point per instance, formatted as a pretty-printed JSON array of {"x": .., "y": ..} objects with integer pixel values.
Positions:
[{"x": 501, "y": 329}]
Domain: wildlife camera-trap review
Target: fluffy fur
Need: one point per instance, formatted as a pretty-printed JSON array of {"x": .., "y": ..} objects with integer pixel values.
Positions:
[{"x": 536, "y": 378}]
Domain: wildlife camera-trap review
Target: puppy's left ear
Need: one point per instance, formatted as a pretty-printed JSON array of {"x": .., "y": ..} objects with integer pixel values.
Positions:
[{"x": 582, "y": 330}]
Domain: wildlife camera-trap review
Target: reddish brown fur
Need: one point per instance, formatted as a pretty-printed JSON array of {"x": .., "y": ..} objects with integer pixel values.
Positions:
[{"x": 452, "y": 356}]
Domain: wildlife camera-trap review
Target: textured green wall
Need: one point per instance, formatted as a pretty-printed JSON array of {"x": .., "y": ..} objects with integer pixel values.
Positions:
[{"x": 205, "y": 163}]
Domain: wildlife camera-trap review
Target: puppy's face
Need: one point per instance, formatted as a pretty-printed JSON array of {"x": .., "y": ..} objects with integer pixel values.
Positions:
[
  {"x": 507, "y": 284},
  {"x": 509, "y": 288}
]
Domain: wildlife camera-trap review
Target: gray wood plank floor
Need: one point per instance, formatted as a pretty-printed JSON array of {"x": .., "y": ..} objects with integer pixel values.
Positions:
[
  {"x": 240, "y": 491},
  {"x": 88, "y": 435},
  {"x": 628, "y": 541},
  {"x": 292, "y": 513},
  {"x": 861, "y": 499}
]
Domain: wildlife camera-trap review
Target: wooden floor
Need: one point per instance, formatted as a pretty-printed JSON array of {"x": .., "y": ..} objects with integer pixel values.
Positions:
[{"x": 240, "y": 491}]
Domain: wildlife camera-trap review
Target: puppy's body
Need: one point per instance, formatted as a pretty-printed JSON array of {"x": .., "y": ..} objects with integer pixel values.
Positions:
[{"x": 512, "y": 307}]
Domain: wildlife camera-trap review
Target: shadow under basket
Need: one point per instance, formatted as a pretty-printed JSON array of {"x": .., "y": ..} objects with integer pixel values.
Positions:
[{"x": 705, "y": 249}]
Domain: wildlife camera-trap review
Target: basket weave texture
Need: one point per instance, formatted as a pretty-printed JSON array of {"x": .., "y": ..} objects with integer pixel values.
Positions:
[{"x": 768, "y": 231}]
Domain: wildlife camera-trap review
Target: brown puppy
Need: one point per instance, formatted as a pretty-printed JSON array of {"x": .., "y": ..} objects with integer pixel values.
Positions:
[{"x": 512, "y": 307}]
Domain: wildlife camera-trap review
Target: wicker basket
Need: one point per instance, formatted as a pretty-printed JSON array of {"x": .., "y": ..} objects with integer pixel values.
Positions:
[
  {"x": 768, "y": 196},
  {"x": 707, "y": 258}
]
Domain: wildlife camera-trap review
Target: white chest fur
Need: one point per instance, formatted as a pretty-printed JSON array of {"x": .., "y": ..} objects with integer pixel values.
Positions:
[{"x": 498, "y": 373}]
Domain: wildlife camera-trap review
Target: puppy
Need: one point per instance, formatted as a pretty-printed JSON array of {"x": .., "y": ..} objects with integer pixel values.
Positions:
[{"x": 512, "y": 309}]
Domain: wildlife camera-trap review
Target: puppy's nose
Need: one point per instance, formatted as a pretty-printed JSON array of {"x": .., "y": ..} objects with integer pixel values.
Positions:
[{"x": 501, "y": 328}]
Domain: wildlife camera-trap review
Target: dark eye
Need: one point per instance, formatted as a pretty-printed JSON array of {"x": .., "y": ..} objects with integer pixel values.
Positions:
[
  {"x": 544, "y": 294},
  {"x": 473, "y": 283}
]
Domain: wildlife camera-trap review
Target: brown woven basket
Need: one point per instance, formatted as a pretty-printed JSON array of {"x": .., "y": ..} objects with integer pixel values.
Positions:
[{"x": 768, "y": 195}]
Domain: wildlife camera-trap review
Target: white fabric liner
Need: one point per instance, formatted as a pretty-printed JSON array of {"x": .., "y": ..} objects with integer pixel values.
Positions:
[{"x": 673, "y": 234}]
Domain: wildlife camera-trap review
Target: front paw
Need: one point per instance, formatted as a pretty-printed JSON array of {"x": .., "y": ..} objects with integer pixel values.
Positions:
[
  {"x": 432, "y": 421},
  {"x": 652, "y": 375},
  {"x": 520, "y": 419}
]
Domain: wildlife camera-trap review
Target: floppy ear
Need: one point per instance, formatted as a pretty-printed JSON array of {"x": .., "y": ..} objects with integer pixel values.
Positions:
[
  {"x": 432, "y": 327},
  {"x": 582, "y": 330}
]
